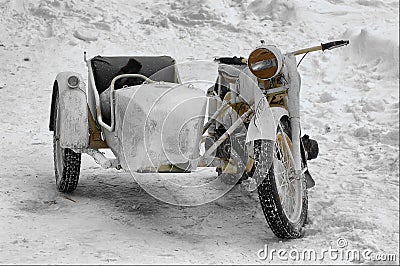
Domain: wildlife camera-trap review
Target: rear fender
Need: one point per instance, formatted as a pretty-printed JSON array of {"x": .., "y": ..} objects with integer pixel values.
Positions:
[{"x": 73, "y": 112}]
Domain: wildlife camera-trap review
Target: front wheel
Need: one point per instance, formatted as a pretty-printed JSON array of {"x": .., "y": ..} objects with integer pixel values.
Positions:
[
  {"x": 283, "y": 195},
  {"x": 67, "y": 163}
]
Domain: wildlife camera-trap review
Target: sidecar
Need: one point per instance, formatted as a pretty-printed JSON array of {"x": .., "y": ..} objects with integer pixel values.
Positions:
[{"x": 134, "y": 106}]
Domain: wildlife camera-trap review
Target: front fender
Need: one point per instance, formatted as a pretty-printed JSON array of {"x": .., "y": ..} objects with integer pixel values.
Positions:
[
  {"x": 73, "y": 112},
  {"x": 264, "y": 123}
]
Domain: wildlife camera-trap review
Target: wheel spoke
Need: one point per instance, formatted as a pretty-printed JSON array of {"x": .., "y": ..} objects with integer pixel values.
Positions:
[{"x": 284, "y": 176}]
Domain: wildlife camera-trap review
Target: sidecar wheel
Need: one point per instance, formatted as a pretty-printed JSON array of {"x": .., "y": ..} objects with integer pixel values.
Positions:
[
  {"x": 283, "y": 198},
  {"x": 67, "y": 163}
]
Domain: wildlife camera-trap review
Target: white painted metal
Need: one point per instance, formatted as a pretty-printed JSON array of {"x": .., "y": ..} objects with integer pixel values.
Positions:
[
  {"x": 215, "y": 115},
  {"x": 263, "y": 125},
  {"x": 95, "y": 93},
  {"x": 97, "y": 97},
  {"x": 277, "y": 90},
  {"x": 234, "y": 126},
  {"x": 102, "y": 160},
  {"x": 73, "y": 113},
  {"x": 294, "y": 109},
  {"x": 112, "y": 101},
  {"x": 142, "y": 146}
]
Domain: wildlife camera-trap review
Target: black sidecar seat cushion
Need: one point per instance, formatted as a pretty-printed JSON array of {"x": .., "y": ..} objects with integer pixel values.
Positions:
[{"x": 158, "y": 68}]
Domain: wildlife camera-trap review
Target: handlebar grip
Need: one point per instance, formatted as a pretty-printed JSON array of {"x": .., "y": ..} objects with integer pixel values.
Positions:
[
  {"x": 333, "y": 45},
  {"x": 231, "y": 60}
]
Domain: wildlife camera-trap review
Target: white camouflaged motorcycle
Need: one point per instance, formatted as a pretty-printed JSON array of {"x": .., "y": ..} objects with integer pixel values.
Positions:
[{"x": 246, "y": 126}]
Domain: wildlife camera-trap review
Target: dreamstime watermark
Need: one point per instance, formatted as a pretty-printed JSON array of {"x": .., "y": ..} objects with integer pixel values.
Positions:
[{"x": 342, "y": 252}]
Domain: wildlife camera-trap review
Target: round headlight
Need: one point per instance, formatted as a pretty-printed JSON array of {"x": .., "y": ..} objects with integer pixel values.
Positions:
[
  {"x": 73, "y": 82},
  {"x": 265, "y": 62}
]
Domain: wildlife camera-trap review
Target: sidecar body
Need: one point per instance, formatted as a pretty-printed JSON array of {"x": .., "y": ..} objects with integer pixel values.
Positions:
[{"x": 135, "y": 106}]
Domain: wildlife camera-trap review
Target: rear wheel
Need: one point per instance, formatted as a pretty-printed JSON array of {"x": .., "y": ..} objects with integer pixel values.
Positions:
[
  {"x": 67, "y": 163},
  {"x": 283, "y": 196}
]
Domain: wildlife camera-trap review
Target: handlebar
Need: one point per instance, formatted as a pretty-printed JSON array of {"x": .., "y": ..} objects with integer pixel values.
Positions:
[
  {"x": 231, "y": 60},
  {"x": 333, "y": 45},
  {"x": 323, "y": 47}
]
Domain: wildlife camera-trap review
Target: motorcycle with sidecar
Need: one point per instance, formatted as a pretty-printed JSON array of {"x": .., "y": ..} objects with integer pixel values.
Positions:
[{"x": 246, "y": 125}]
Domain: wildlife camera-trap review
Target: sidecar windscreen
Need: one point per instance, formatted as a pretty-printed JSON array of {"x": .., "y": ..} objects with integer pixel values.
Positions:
[{"x": 159, "y": 68}]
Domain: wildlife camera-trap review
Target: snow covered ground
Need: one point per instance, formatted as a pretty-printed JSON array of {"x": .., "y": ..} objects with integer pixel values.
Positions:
[{"x": 350, "y": 104}]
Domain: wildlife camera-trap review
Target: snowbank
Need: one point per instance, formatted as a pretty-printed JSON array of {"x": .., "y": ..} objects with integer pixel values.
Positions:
[
  {"x": 376, "y": 49},
  {"x": 282, "y": 10}
]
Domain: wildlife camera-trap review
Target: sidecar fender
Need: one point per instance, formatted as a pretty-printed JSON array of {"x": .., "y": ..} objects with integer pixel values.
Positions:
[
  {"x": 72, "y": 112},
  {"x": 264, "y": 123}
]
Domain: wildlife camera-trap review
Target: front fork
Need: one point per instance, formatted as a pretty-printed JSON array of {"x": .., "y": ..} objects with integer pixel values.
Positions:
[
  {"x": 296, "y": 131},
  {"x": 294, "y": 112}
]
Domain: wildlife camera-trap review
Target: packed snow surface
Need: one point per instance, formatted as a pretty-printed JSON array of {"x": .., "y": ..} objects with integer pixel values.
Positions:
[{"x": 349, "y": 104}]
